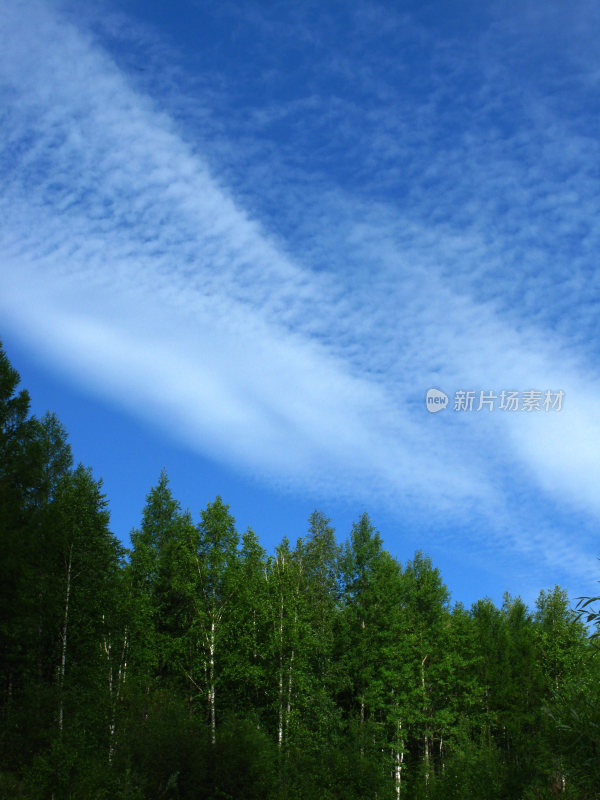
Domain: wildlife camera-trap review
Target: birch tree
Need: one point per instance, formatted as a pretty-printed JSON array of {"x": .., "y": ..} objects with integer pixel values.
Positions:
[
  {"x": 88, "y": 559},
  {"x": 246, "y": 660},
  {"x": 216, "y": 568},
  {"x": 425, "y": 602}
]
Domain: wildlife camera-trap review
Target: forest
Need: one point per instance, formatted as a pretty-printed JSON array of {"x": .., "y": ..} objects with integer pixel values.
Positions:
[{"x": 197, "y": 665}]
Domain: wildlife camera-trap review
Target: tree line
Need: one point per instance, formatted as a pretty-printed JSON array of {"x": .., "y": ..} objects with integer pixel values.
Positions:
[{"x": 197, "y": 665}]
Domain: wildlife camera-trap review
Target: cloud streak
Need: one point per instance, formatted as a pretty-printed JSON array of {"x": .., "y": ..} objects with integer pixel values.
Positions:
[{"x": 131, "y": 264}]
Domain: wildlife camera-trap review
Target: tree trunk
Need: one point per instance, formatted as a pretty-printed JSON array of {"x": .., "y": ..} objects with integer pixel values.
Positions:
[
  {"x": 115, "y": 693},
  {"x": 211, "y": 690},
  {"x": 63, "y": 654},
  {"x": 290, "y": 671},
  {"x": 289, "y": 695},
  {"x": 111, "y": 723},
  {"x": 362, "y": 701},
  {"x": 399, "y": 761},
  {"x": 280, "y": 725},
  {"x": 426, "y": 734},
  {"x": 190, "y": 682}
]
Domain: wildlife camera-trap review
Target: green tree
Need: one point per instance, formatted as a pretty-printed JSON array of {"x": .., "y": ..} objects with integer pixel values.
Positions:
[
  {"x": 563, "y": 659},
  {"x": 21, "y": 466},
  {"x": 284, "y": 576},
  {"x": 319, "y": 593},
  {"x": 369, "y": 647},
  {"x": 218, "y": 570},
  {"x": 245, "y": 659},
  {"x": 427, "y": 625},
  {"x": 160, "y": 519}
]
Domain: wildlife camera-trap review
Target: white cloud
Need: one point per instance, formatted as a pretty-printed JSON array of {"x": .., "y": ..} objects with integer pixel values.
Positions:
[{"x": 126, "y": 262}]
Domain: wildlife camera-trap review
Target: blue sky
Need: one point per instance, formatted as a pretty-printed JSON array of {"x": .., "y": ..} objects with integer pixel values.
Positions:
[{"x": 242, "y": 241}]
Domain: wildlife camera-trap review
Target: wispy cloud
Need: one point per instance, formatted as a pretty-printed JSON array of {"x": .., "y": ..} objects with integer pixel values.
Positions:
[{"x": 287, "y": 320}]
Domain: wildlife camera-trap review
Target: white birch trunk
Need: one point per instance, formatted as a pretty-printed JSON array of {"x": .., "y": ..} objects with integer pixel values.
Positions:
[
  {"x": 63, "y": 654},
  {"x": 111, "y": 722},
  {"x": 426, "y": 736},
  {"x": 280, "y": 723},
  {"x": 290, "y": 671},
  {"x": 399, "y": 761},
  {"x": 211, "y": 690},
  {"x": 114, "y": 692},
  {"x": 362, "y": 706},
  {"x": 289, "y": 695}
]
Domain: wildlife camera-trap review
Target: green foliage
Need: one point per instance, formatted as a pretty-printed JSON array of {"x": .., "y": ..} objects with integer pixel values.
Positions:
[
  {"x": 475, "y": 768},
  {"x": 172, "y": 756}
]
